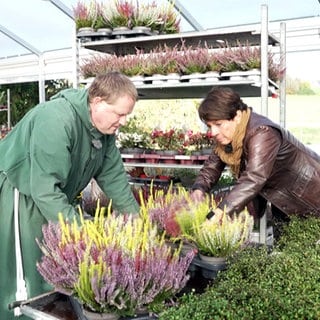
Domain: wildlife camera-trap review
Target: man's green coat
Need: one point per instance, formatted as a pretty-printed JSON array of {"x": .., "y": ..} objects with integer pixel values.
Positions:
[{"x": 50, "y": 157}]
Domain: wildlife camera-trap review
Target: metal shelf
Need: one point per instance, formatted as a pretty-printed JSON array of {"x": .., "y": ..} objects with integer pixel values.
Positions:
[
  {"x": 191, "y": 90},
  {"x": 162, "y": 165},
  {"x": 213, "y": 38}
]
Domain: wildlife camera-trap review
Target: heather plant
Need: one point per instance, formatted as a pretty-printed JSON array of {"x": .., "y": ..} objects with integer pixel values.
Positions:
[
  {"x": 99, "y": 64},
  {"x": 117, "y": 263},
  {"x": 225, "y": 236},
  {"x": 118, "y": 13},
  {"x": 85, "y": 15},
  {"x": 162, "y": 206},
  {"x": 175, "y": 212},
  {"x": 145, "y": 14},
  {"x": 193, "y": 60},
  {"x": 168, "y": 20}
]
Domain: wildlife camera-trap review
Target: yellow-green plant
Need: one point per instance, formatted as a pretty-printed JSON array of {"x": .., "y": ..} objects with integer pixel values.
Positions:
[{"x": 223, "y": 237}]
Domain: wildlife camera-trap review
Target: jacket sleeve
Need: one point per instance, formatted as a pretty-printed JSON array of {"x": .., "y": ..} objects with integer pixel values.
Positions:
[
  {"x": 113, "y": 180},
  {"x": 261, "y": 151},
  {"x": 209, "y": 174}
]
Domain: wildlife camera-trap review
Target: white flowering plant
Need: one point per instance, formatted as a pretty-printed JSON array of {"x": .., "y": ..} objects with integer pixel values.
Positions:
[{"x": 133, "y": 136}]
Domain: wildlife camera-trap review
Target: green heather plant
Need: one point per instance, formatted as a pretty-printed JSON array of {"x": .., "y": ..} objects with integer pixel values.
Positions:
[
  {"x": 261, "y": 284},
  {"x": 117, "y": 263},
  {"x": 223, "y": 237}
]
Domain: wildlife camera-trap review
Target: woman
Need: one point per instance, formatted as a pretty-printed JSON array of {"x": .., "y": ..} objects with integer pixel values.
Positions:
[
  {"x": 266, "y": 160},
  {"x": 46, "y": 161}
]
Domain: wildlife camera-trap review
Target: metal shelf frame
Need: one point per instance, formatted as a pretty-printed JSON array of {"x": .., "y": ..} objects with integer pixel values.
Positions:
[{"x": 212, "y": 38}]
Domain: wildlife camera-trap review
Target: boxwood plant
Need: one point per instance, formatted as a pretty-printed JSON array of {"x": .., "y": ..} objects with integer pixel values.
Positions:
[{"x": 259, "y": 284}]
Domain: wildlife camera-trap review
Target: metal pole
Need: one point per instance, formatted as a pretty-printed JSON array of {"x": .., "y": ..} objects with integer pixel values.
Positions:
[
  {"x": 32, "y": 49},
  {"x": 264, "y": 60},
  {"x": 264, "y": 96},
  {"x": 42, "y": 91},
  {"x": 283, "y": 74},
  {"x": 8, "y": 109},
  {"x": 186, "y": 14}
]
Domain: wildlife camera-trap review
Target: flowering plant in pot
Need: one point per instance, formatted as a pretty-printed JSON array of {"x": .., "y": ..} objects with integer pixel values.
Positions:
[
  {"x": 85, "y": 15},
  {"x": 115, "y": 263},
  {"x": 133, "y": 136},
  {"x": 171, "y": 139},
  {"x": 118, "y": 13},
  {"x": 186, "y": 220},
  {"x": 168, "y": 19},
  {"x": 223, "y": 237},
  {"x": 174, "y": 212},
  {"x": 99, "y": 64},
  {"x": 193, "y": 60}
]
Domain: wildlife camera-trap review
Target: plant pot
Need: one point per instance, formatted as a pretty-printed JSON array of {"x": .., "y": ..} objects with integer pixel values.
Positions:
[
  {"x": 104, "y": 33},
  {"x": 173, "y": 78},
  {"x": 90, "y": 315},
  {"x": 212, "y": 260},
  {"x": 212, "y": 76},
  {"x": 137, "y": 80},
  {"x": 210, "y": 266}
]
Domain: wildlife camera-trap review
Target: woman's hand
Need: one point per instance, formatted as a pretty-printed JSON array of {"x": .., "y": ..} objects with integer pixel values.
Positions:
[{"x": 197, "y": 195}]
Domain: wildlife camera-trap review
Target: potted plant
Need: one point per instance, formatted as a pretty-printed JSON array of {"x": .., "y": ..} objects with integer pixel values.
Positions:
[
  {"x": 85, "y": 16},
  {"x": 112, "y": 264},
  {"x": 167, "y": 20},
  {"x": 193, "y": 60},
  {"x": 132, "y": 138},
  {"x": 220, "y": 238},
  {"x": 168, "y": 140},
  {"x": 118, "y": 13}
]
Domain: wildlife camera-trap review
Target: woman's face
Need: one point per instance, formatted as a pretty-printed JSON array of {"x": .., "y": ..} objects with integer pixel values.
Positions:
[
  {"x": 223, "y": 130},
  {"x": 106, "y": 117}
]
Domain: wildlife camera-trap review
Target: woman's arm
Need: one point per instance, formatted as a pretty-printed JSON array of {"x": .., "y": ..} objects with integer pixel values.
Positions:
[{"x": 262, "y": 149}]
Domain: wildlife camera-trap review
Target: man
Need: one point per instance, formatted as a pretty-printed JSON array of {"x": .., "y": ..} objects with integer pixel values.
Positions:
[{"x": 46, "y": 161}]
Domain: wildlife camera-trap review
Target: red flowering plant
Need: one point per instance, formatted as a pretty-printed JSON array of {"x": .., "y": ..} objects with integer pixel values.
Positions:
[
  {"x": 172, "y": 139},
  {"x": 197, "y": 141}
]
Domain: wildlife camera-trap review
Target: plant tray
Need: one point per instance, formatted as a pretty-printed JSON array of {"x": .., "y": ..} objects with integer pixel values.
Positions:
[
  {"x": 155, "y": 181},
  {"x": 57, "y": 306}
]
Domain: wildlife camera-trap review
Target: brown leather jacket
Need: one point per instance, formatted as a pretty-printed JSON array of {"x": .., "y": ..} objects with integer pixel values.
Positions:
[{"x": 274, "y": 165}]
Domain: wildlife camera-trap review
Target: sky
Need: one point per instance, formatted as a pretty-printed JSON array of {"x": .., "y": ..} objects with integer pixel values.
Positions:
[{"x": 43, "y": 26}]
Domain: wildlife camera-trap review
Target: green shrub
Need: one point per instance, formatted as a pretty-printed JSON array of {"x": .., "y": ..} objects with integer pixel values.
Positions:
[{"x": 260, "y": 285}]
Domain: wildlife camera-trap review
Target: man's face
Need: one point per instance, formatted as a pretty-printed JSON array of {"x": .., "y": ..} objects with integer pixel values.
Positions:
[{"x": 107, "y": 118}]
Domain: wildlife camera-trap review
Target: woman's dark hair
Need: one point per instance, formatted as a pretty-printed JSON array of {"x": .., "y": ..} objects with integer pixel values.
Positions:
[{"x": 221, "y": 103}]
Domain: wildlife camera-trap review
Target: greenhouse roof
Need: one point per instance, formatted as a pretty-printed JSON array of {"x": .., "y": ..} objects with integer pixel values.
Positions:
[{"x": 43, "y": 26}]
